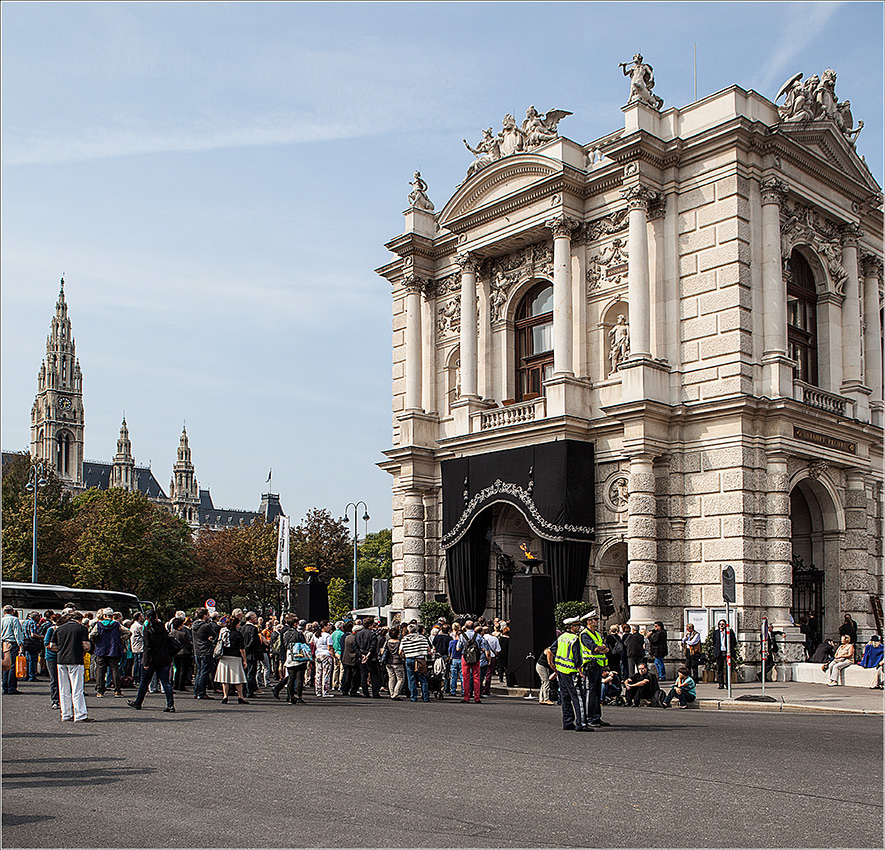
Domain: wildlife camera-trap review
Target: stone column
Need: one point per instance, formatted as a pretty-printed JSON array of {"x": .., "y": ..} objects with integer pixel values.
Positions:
[
  {"x": 777, "y": 597},
  {"x": 851, "y": 335},
  {"x": 562, "y": 228},
  {"x": 638, "y": 283},
  {"x": 468, "y": 325},
  {"x": 413, "y": 554},
  {"x": 413, "y": 287},
  {"x": 428, "y": 353},
  {"x": 642, "y": 549},
  {"x": 777, "y": 369},
  {"x": 855, "y": 559},
  {"x": 872, "y": 335}
]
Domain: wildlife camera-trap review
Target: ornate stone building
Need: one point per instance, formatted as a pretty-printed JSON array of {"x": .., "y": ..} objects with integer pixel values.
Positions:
[
  {"x": 58, "y": 432},
  {"x": 645, "y": 358}
]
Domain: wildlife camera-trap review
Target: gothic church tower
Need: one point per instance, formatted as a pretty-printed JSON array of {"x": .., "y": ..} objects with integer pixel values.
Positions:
[
  {"x": 183, "y": 489},
  {"x": 57, "y": 416},
  {"x": 123, "y": 471}
]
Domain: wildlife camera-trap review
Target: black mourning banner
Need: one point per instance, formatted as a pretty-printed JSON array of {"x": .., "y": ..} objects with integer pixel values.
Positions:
[{"x": 550, "y": 484}]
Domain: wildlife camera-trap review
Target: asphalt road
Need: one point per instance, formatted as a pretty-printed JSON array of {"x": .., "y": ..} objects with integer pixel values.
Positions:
[{"x": 348, "y": 772}]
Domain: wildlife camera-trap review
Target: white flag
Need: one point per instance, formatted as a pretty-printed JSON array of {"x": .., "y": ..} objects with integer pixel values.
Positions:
[{"x": 283, "y": 547}]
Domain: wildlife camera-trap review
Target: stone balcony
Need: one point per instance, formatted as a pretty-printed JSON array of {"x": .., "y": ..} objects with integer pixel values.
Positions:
[
  {"x": 823, "y": 400},
  {"x": 513, "y": 414}
]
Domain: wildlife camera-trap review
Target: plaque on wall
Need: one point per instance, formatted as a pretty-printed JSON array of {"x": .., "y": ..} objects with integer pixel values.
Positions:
[{"x": 824, "y": 440}]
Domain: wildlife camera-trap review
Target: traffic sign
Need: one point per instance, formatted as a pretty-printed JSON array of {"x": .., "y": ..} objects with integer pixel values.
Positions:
[{"x": 210, "y": 603}]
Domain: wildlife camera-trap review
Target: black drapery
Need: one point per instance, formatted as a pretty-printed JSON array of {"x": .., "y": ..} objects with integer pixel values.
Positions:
[
  {"x": 467, "y": 569},
  {"x": 550, "y": 484},
  {"x": 567, "y": 564}
]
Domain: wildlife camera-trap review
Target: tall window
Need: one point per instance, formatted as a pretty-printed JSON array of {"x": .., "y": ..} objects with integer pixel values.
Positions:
[
  {"x": 534, "y": 334},
  {"x": 63, "y": 463},
  {"x": 802, "y": 318}
]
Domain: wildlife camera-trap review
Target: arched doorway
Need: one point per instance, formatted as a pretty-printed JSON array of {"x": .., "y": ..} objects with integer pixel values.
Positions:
[
  {"x": 611, "y": 574},
  {"x": 816, "y": 532}
]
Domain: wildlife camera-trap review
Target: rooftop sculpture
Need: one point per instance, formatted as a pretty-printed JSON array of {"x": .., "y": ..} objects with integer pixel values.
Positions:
[
  {"x": 815, "y": 100},
  {"x": 536, "y": 130},
  {"x": 642, "y": 81}
]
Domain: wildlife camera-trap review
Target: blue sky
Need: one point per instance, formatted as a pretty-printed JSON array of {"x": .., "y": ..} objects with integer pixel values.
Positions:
[{"x": 217, "y": 181}]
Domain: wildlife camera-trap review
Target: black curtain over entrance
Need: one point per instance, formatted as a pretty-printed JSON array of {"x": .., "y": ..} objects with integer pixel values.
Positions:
[
  {"x": 467, "y": 569},
  {"x": 567, "y": 564},
  {"x": 550, "y": 484}
]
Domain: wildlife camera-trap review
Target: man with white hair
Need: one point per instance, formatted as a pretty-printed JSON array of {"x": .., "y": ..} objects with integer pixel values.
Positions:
[
  {"x": 70, "y": 642},
  {"x": 107, "y": 635}
]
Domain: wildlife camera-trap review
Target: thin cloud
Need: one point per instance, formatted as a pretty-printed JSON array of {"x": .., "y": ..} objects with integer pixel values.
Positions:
[{"x": 804, "y": 23}]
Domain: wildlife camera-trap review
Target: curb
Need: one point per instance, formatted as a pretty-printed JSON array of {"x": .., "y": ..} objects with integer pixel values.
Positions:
[{"x": 730, "y": 705}]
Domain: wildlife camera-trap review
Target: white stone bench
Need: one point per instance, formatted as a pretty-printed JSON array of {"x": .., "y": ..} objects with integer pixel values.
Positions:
[{"x": 853, "y": 676}]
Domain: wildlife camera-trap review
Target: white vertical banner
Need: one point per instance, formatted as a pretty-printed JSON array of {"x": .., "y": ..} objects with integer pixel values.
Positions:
[{"x": 283, "y": 547}]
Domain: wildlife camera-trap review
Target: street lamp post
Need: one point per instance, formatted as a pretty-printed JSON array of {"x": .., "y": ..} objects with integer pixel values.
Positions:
[
  {"x": 366, "y": 518},
  {"x": 36, "y": 481}
]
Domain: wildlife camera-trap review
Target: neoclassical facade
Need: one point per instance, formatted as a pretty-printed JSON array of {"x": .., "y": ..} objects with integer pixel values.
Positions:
[{"x": 646, "y": 358}]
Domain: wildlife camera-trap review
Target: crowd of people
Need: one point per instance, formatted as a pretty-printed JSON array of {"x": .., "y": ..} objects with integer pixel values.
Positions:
[{"x": 211, "y": 655}]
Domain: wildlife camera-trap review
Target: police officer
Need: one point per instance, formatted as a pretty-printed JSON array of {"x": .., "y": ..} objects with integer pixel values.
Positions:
[
  {"x": 565, "y": 657},
  {"x": 593, "y": 650}
]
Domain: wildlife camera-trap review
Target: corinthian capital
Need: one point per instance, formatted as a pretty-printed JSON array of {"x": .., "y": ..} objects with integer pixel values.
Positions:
[
  {"x": 467, "y": 262},
  {"x": 851, "y": 233},
  {"x": 871, "y": 265},
  {"x": 638, "y": 197},
  {"x": 414, "y": 285},
  {"x": 774, "y": 190},
  {"x": 561, "y": 226}
]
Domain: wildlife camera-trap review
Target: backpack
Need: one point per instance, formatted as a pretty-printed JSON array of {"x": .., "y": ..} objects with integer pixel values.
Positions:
[
  {"x": 470, "y": 653},
  {"x": 297, "y": 653},
  {"x": 276, "y": 643}
]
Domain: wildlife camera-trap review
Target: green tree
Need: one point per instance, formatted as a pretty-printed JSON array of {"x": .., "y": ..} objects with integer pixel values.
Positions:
[
  {"x": 322, "y": 543},
  {"x": 124, "y": 542},
  {"x": 54, "y": 535},
  {"x": 374, "y": 560},
  {"x": 565, "y": 610},
  {"x": 339, "y": 598}
]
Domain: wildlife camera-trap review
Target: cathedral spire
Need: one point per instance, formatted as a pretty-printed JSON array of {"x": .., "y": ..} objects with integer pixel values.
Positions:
[
  {"x": 57, "y": 418},
  {"x": 123, "y": 471},
  {"x": 184, "y": 489}
]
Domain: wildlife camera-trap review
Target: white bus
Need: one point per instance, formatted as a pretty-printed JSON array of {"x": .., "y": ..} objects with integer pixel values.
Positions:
[{"x": 26, "y": 597}]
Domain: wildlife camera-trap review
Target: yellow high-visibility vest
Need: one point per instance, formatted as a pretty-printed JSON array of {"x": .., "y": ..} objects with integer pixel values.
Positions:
[{"x": 564, "y": 661}]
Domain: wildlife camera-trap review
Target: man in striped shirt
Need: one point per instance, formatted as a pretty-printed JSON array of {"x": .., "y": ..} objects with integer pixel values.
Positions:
[{"x": 415, "y": 647}]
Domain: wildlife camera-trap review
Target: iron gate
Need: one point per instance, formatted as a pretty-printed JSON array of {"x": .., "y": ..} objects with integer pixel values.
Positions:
[{"x": 808, "y": 591}]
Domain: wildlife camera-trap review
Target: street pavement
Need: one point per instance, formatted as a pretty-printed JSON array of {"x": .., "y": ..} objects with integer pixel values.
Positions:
[{"x": 349, "y": 772}]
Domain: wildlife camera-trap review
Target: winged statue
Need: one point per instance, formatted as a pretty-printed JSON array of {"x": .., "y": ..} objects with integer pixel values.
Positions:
[{"x": 538, "y": 129}]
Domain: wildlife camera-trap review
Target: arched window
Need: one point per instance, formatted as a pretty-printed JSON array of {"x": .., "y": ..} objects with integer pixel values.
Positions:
[
  {"x": 63, "y": 463},
  {"x": 534, "y": 340},
  {"x": 802, "y": 318}
]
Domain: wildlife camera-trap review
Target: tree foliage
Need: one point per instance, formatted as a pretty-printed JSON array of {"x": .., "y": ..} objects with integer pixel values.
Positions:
[
  {"x": 374, "y": 560},
  {"x": 54, "y": 512},
  {"x": 339, "y": 598},
  {"x": 321, "y": 542},
  {"x": 566, "y": 610},
  {"x": 125, "y": 542}
]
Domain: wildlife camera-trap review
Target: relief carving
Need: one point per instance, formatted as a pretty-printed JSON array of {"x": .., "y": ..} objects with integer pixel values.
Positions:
[
  {"x": 449, "y": 317},
  {"x": 802, "y": 225},
  {"x": 610, "y": 263}
]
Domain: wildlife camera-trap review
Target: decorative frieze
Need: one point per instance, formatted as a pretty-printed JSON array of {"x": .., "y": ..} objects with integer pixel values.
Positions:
[{"x": 801, "y": 225}]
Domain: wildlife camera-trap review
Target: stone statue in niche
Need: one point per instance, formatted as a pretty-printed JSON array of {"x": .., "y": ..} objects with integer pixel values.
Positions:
[
  {"x": 418, "y": 199},
  {"x": 538, "y": 130},
  {"x": 619, "y": 349},
  {"x": 642, "y": 81},
  {"x": 815, "y": 100}
]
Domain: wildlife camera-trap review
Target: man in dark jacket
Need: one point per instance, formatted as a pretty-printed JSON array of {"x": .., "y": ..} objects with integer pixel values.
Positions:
[
  {"x": 203, "y": 635},
  {"x": 642, "y": 685},
  {"x": 634, "y": 647},
  {"x": 657, "y": 640},
  {"x": 254, "y": 650},
  {"x": 724, "y": 644},
  {"x": 350, "y": 678},
  {"x": 107, "y": 636},
  {"x": 365, "y": 645}
]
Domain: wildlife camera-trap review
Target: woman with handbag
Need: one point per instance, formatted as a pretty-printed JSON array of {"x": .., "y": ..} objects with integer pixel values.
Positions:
[
  {"x": 391, "y": 659},
  {"x": 296, "y": 657},
  {"x": 231, "y": 655}
]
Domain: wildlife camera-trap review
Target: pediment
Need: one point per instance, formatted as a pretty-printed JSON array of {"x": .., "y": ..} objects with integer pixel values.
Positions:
[
  {"x": 825, "y": 140},
  {"x": 501, "y": 179}
]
